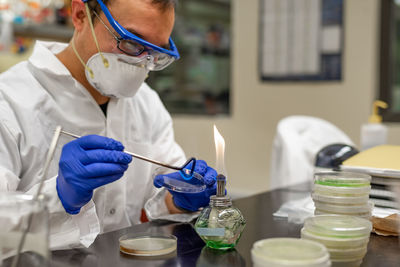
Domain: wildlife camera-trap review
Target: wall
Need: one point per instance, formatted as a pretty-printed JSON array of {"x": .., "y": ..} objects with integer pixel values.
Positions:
[{"x": 257, "y": 107}]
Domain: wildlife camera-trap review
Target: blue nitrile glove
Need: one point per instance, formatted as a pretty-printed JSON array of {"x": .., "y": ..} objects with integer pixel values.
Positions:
[
  {"x": 85, "y": 164},
  {"x": 192, "y": 201}
]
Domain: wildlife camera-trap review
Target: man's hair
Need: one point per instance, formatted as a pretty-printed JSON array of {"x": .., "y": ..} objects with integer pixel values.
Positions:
[{"x": 163, "y": 4}]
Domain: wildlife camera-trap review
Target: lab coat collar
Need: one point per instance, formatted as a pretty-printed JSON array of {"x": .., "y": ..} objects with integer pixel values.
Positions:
[
  {"x": 51, "y": 69},
  {"x": 44, "y": 57}
]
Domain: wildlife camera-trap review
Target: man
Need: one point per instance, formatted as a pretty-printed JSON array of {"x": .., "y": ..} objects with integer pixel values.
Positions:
[{"x": 94, "y": 87}]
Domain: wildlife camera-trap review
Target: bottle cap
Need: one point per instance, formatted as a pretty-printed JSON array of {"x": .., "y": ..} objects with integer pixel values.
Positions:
[{"x": 375, "y": 117}]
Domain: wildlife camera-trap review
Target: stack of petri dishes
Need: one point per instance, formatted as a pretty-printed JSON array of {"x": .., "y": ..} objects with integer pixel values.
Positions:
[
  {"x": 280, "y": 252},
  {"x": 345, "y": 237},
  {"x": 343, "y": 193}
]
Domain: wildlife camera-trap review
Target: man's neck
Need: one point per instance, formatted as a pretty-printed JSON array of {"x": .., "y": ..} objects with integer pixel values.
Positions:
[{"x": 72, "y": 63}]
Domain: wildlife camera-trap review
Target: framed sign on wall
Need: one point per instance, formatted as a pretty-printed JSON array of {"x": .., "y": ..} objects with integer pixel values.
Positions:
[{"x": 301, "y": 40}]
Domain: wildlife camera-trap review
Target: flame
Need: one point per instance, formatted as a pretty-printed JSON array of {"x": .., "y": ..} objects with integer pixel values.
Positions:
[{"x": 220, "y": 151}]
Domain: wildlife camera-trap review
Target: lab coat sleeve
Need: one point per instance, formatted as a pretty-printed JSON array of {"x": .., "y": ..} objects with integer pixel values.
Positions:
[
  {"x": 167, "y": 151},
  {"x": 10, "y": 162},
  {"x": 66, "y": 231}
]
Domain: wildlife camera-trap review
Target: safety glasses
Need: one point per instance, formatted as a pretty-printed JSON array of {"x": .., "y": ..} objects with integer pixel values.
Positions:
[{"x": 132, "y": 45}]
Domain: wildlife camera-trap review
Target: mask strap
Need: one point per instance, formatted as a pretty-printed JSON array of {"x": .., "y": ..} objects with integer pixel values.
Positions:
[
  {"x": 105, "y": 61},
  {"x": 80, "y": 59}
]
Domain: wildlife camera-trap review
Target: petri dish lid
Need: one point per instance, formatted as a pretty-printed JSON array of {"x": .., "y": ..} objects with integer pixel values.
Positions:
[
  {"x": 347, "y": 253},
  {"x": 335, "y": 199},
  {"x": 366, "y": 215},
  {"x": 176, "y": 182},
  {"x": 147, "y": 244},
  {"x": 335, "y": 242},
  {"x": 289, "y": 251},
  {"x": 352, "y": 262},
  {"x": 343, "y": 208},
  {"x": 342, "y": 179},
  {"x": 341, "y": 226},
  {"x": 341, "y": 191}
]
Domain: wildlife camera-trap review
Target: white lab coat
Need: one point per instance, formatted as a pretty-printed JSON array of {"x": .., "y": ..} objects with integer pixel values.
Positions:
[
  {"x": 297, "y": 141},
  {"x": 39, "y": 94}
]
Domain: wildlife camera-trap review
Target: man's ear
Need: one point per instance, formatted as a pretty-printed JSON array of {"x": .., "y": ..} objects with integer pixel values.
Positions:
[{"x": 78, "y": 14}]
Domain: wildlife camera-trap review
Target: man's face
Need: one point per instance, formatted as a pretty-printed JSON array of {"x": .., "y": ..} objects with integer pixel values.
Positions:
[{"x": 142, "y": 18}]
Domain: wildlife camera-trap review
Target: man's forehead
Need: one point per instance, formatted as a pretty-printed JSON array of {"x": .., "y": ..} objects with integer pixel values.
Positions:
[
  {"x": 160, "y": 4},
  {"x": 131, "y": 7},
  {"x": 144, "y": 19}
]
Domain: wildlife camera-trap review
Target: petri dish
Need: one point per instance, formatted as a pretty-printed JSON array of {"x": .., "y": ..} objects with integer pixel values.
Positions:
[
  {"x": 342, "y": 208},
  {"x": 348, "y": 253},
  {"x": 349, "y": 200},
  {"x": 347, "y": 263},
  {"x": 176, "y": 182},
  {"x": 342, "y": 179},
  {"x": 147, "y": 244},
  {"x": 340, "y": 226},
  {"x": 365, "y": 215},
  {"x": 341, "y": 191},
  {"x": 289, "y": 252},
  {"x": 335, "y": 242}
]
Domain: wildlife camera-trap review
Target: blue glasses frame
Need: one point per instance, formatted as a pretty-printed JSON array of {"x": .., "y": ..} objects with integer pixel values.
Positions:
[{"x": 125, "y": 34}]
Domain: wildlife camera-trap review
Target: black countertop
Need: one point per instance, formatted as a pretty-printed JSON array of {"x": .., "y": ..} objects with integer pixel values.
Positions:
[{"x": 257, "y": 209}]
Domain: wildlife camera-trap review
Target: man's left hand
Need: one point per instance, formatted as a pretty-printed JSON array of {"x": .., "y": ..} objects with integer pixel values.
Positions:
[{"x": 192, "y": 201}]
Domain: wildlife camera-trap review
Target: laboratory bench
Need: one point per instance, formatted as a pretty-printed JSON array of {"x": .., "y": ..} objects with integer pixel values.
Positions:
[{"x": 257, "y": 209}]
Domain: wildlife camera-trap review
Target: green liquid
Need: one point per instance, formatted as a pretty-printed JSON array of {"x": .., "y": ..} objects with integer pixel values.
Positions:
[
  {"x": 219, "y": 245},
  {"x": 340, "y": 183}
]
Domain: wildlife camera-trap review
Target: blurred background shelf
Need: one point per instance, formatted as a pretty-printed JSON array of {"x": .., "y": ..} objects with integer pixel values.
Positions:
[{"x": 46, "y": 31}]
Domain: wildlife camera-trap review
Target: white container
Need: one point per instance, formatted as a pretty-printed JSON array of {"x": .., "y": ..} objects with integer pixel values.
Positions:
[
  {"x": 281, "y": 252},
  {"x": 374, "y": 133}
]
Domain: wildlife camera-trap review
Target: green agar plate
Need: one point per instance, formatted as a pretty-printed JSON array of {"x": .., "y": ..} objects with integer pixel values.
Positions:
[
  {"x": 341, "y": 191},
  {"x": 342, "y": 179}
]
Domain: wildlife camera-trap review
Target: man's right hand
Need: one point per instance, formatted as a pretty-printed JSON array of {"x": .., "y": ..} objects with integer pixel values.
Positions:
[{"x": 85, "y": 164}]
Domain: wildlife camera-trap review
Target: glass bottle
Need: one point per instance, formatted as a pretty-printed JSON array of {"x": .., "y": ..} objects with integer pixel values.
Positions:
[{"x": 220, "y": 225}]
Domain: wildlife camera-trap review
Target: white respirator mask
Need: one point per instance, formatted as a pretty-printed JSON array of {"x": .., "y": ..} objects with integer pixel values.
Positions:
[
  {"x": 113, "y": 75},
  {"x": 117, "y": 78}
]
